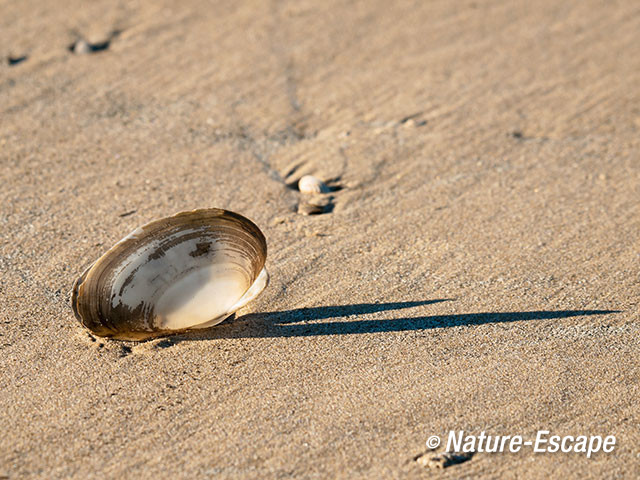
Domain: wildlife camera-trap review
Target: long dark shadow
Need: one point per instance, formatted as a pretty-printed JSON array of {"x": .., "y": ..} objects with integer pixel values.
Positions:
[
  {"x": 351, "y": 327},
  {"x": 300, "y": 322},
  {"x": 334, "y": 311}
]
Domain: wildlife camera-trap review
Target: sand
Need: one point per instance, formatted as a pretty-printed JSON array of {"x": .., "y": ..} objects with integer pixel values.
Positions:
[{"x": 478, "y": 268}]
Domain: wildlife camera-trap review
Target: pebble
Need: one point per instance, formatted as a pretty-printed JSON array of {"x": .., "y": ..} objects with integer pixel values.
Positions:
[
  {"x": 314, "y": 206},
  {"x": 442, "y": 460}
]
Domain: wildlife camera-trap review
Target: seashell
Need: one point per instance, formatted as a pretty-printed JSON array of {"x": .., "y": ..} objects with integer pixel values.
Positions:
[
  {"x": 188, "y": 271},
  {"x": 311, "y": 184},
  {"x": 305, "y": 208},
  {"x": 315, "y": 206},
  {"x": 81, "y": 47}
]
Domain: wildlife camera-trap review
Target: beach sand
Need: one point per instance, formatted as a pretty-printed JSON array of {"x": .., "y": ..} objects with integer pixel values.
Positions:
[{"x": 479, "y": 269}]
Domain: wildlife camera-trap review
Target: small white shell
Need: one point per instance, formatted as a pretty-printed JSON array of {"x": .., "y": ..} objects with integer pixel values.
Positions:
[
  {"x": 81, "y": 47},
  {"x": 311, "y": 184}
]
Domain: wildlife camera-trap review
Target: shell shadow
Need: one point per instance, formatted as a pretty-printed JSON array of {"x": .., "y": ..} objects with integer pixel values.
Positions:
[
  {"x": 335, "y": 311},
  {"x": 302, "y": 322}
]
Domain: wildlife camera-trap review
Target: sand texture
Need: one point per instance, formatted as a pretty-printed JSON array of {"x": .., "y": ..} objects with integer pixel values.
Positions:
[{"x": 476, "y": 265}]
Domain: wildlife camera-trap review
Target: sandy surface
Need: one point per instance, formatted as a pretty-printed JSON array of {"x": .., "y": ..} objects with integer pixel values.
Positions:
[{"x": 480, "y": 269}]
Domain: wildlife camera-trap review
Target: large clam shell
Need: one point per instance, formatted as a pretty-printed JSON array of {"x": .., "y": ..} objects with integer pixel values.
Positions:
[{"x": 191, "y": 270}]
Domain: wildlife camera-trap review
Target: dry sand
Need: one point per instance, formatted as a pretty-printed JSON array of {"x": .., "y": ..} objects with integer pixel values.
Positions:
[{"x": 488, "y": 154}]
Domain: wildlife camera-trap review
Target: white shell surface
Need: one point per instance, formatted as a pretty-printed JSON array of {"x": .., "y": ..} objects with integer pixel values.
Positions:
[
  {"x": 234, "y": 283},
  {"x": 311, "y": 184}
]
